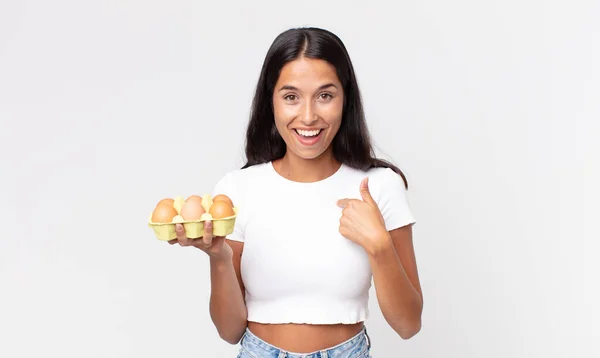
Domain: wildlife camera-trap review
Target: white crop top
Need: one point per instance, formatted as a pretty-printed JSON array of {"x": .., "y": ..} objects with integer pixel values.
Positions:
[{"x": 295, "y": 265}]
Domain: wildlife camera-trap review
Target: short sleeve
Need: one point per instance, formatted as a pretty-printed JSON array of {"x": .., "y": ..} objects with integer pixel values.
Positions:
[
  {"x": 227, "y": 186},
  {"x": 393, "y": 202}
]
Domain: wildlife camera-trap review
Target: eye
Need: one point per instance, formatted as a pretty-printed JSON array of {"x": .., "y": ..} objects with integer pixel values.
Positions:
[
  {"x": 290, "y": 97},
  {"x": 326, "y": 96}
]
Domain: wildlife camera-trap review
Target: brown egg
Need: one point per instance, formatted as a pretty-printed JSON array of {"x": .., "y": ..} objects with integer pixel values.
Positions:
[
  {"x": 221, "y": 209},
  {"x": 163, "y": 213},
  {"x": 223, "y": 197},
  {"x": 192, "y": 209},
  {"x": 167, "y": 201}
]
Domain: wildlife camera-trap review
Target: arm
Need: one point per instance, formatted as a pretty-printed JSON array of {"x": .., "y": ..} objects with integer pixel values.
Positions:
[
  {"x": 397, "y": 282},
  {"x": 227, "y": 305},
  {"x": 391, "y": 256}
]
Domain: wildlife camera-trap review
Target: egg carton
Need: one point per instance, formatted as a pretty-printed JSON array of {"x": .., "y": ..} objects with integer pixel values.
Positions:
[{"x": 193, "y": 229}]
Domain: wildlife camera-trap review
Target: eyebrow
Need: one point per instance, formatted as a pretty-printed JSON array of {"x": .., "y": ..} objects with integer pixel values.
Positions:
[{"x": 292, "y": 88}]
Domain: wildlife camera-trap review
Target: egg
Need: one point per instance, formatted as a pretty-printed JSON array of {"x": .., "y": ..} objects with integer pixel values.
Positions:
[
  {"x": 221, "y": 209},
  {"x": 163, "y": 213},
  {"x": 192, "y": 208},
  {"x": 194, "y": 198},
  {"x": 167, "y": 201},
  {"x": 223, "y": 197}
]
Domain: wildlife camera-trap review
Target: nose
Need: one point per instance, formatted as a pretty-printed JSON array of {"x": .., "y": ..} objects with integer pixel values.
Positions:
[{"x": 309, "y": 116}]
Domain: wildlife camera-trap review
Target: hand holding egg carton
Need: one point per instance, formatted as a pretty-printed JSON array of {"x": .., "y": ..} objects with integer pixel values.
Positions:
[{"x": 193, "y": 212}]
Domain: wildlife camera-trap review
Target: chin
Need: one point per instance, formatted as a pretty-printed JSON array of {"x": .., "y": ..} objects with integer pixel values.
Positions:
[{"x": 309, "y": 154}]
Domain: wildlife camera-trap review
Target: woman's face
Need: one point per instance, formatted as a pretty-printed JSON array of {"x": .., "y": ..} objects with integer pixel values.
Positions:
[{"x": 308, "y": 101}]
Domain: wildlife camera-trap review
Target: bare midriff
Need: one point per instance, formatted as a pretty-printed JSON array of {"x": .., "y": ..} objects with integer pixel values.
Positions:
[{"x": 304, "y": 338}]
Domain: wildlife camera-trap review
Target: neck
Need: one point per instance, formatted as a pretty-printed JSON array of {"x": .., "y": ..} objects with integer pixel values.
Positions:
[{"x": 302, "y": 170}]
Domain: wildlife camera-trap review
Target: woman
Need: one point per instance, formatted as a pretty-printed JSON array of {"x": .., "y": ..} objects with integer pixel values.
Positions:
[{"x": 319, "y": 216}]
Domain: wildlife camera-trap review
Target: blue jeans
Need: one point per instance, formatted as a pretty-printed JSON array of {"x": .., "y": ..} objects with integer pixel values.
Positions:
[{"x": 358, "y": 346}]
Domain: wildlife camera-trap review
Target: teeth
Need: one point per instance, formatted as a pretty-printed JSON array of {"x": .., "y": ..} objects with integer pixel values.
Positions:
[{"x": 308, "y": 133}]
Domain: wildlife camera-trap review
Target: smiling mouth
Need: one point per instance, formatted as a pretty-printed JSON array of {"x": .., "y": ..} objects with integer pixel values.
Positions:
[{"x": 308, "y": 134}]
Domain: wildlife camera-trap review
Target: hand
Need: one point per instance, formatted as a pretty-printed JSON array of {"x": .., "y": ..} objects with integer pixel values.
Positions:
[
  {"x": 214, "y": 246},
  {"x": 361, "y": 220}
]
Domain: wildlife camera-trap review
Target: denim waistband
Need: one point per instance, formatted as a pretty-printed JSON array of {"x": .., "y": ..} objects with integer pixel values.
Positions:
[{"x": 355, "y": 347}]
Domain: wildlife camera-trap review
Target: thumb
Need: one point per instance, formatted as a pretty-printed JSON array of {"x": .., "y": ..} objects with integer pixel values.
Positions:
[{"x": 364, "y": 191}]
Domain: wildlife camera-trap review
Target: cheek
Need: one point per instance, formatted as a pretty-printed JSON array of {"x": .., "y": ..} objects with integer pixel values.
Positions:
[
  {"x": 333, "y": 115},
  {"x": 283, "y": 113}
]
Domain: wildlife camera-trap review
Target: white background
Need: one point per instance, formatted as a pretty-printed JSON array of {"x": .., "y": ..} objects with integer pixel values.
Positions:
[{"x": 490, "y": 107}]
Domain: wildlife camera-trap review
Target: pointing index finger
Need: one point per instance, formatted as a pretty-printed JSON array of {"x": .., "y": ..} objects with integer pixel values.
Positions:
[{"x": 342, "y": 203}]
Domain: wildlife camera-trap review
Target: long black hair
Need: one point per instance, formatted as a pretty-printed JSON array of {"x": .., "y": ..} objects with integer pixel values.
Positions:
[{"x": 352, "y": 144}]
